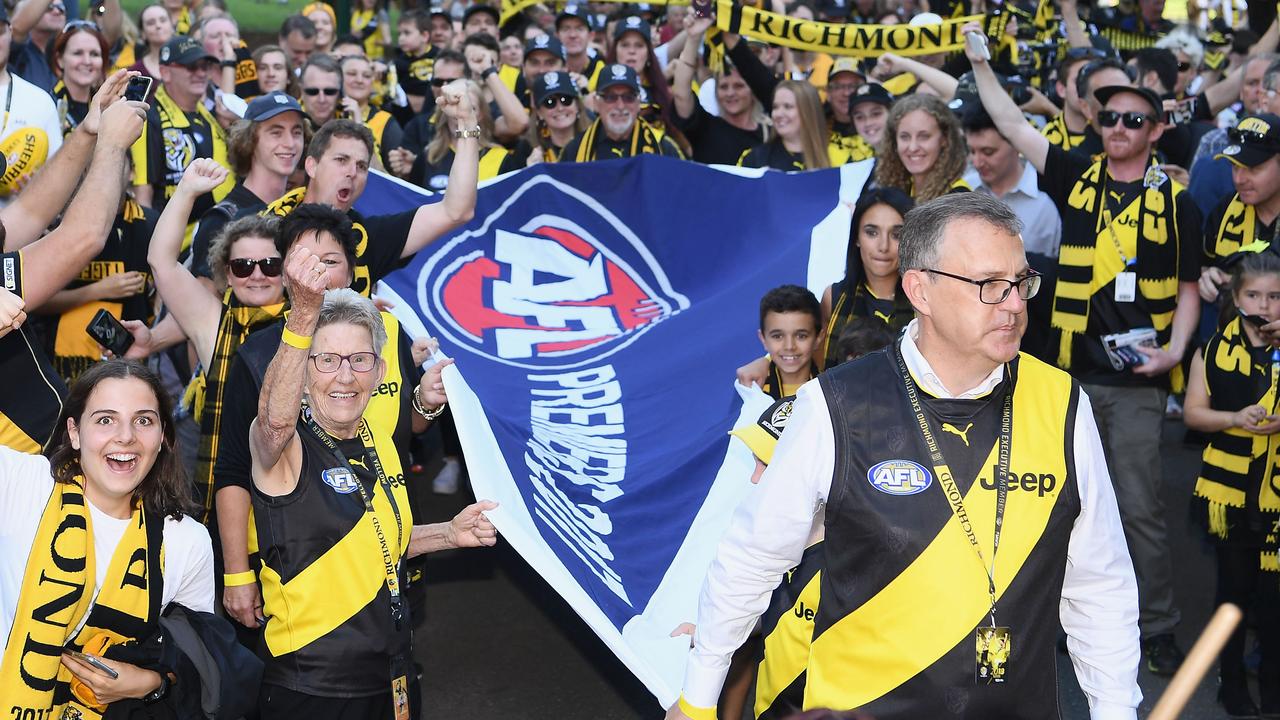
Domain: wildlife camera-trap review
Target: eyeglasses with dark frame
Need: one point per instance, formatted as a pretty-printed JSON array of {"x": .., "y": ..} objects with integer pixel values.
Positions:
[
  {"x": 329, "y": 363},
  {"x": 1132, "y": 120},
  {"x": 994, "y": 291},
  {"x": 243, "y": 267},
  {"x": 328, "y": 91},
  {"x": 552, "y": 100}
]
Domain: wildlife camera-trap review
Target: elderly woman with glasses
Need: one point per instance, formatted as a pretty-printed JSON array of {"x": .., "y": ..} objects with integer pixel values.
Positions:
[{"x": 330, "y": 502}]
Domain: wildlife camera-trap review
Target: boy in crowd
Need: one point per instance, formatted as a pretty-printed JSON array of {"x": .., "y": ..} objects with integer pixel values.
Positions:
[
  {"x": 416, "y": 58},
  {"x": 790, "y": 330}
]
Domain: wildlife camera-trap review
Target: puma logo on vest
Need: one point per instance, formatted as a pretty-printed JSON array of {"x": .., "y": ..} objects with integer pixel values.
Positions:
[
  {"x": 357, "y": 461},
  {"x": 963, "y": 434}
]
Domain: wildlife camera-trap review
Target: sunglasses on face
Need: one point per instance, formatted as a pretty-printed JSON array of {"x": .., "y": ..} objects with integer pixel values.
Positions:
[
  {"x": 562, "y": 100},
  {"x": 1082, "y": 53},
  {"x": 328, "y": 92},
  {"x": 1184, "y": 66},
  {"x": 611, "y": 98},
  {"x": 441, "y": 82},
  {"x": 1132, "y": 120},
  {"x": 243, "y": 267}
]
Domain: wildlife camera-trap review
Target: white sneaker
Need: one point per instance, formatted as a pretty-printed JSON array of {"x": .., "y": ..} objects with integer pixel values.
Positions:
[
  {"x": 1172, "y": 408},
  {"x": 446, "y": 481}
]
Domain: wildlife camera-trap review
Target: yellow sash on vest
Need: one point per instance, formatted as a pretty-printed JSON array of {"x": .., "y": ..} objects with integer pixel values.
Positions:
[
  {"x": 1236, "y": 230},
  {"x": 904, "y": 628}
]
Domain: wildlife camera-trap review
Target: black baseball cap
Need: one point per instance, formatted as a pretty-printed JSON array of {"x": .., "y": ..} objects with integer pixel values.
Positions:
[
  {"x": 1104, "y": 95},
  {"x": 870, "y": 92},
  {"x": 265, "y": 107},
  {"x": 636, "y": 24},
  {"x": 617, "y": 74},
  {"x": 183, "y": 50},
  {"x": 482, "y": 8},
  {"x": 545, "y": 43},
  {"x": 834, "y": 9},
  {"x": 556, "y": 82},
  {"x": 573, "y": 10},
  {"x": 1254, "y": 140}
]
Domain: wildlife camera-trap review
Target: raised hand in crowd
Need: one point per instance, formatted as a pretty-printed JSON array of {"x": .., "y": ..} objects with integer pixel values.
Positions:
[
  {"x": 308, "y": 279},
  {"x": 423, "y": 348},
  {"x": 401, "y": 161},
  {"x": 12, "y": 314}
]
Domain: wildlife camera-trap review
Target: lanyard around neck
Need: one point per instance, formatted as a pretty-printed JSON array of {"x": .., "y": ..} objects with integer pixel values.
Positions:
[{"x": 954, "y": 497}]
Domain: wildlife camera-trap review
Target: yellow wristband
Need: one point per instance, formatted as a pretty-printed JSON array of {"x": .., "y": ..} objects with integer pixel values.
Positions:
[
  {"x": 248, "y": 577},
  {"x": 293, "y": 339},
  {"x": 696, "y": 713}
]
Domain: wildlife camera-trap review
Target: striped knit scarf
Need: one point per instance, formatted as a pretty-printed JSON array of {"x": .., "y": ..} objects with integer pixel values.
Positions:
[
  {"x": 1238, "y": 225},
  {"x": 238, "y": 321},
  {"x": 1056, "y": 132},
  {"x": 850, "y": 302},
  {"x": 644, "y": 140},
  {"x": 1239, "y": 467},
  {"x": 1088, "y": 265}
]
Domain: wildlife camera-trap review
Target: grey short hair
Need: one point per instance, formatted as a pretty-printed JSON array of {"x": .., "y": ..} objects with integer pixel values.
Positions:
[
  {"x": 345, "y": 305},
  {"x": 1271, "y": 80},
  {"x": 924, "y": 225}
]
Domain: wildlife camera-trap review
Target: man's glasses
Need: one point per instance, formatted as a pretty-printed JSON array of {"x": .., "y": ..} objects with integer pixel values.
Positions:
[
  {"x": 611, "y": 98},
  {"x": 842, "y": 87},
  {"x": 993, "y": 291},
  {"x": 1184, "y": 66},
  {"x": 328, "y": 363},
  {"x": 441, "y": 82},
  {"x": 328, "y": 92},
  {"x": 1132, "y": 120},
  {"x": 57, "y": 8},
  {"x": 243, "y": 267},
  {"x": 561, "y": 100}
]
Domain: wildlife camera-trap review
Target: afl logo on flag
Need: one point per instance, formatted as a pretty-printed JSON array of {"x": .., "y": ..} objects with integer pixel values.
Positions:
[
  {"x": 549, "y": 279},
  {"x": 899, "y": 477}
]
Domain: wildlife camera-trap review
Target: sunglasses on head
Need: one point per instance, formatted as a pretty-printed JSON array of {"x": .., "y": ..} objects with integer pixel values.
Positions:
[
  {"x": 1253, "y": 137},
  {"x": 243, "y": 267},
  {"x": 552, "y": 101},
  {"x": 1132, "y": 120},
  {"x": 79, "y": 25},
  {"x": 328, "y": 92}
]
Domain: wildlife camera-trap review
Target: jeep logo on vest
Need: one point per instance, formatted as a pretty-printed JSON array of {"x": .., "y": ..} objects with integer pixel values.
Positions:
[
  {"x": 899, "y": 477},
  {"x": 1040, "y": 483},
  {"x": 533, "y": 289}
]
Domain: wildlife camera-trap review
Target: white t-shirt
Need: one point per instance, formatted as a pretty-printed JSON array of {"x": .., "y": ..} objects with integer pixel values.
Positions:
[{"x": 25, "y": 485}]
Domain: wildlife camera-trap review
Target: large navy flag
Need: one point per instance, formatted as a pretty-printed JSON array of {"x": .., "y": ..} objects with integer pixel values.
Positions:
[{"x": 597, "y": 313}]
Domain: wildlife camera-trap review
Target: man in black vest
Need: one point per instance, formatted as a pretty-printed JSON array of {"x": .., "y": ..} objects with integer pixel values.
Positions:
[{"x": 968, "y": 510}]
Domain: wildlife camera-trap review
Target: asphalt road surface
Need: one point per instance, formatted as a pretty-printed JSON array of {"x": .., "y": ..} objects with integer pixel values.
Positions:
[{"x": 498, "y": 642}]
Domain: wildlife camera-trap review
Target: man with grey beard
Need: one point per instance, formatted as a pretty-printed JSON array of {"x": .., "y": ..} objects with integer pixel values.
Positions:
[{"x": 619, "y": 132}]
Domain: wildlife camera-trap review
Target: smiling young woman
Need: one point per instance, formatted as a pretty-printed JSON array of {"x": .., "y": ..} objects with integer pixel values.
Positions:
[{"x": 110, "y": 496}]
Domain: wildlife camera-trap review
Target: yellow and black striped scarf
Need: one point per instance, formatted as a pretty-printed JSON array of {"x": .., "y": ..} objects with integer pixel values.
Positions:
[
  {"x": 644, "y": 141},
  {"x": 58, "y": 586},
  {"x": 1239, "y": 467},
  {"x": 1059, "y": 136},
  {"x": 238, "y": 321},
  {"x": 1239, "y": 223},
  {"x": 1088, "y": 264},
  {"x": 850, "y": 302}
]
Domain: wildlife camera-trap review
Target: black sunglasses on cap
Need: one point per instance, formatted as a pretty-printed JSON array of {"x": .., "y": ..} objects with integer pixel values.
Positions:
[
  {"x": 553, "y": 100},
  {"x": 1253, "y": 137},
  {"x": 1132, "y": 120},
  {"x": 243, "y": 267},
  {"x": 328, "y": 92}
]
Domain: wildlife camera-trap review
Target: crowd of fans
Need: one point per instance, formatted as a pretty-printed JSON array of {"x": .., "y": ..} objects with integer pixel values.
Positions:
[{"x": 211, "y": 217}]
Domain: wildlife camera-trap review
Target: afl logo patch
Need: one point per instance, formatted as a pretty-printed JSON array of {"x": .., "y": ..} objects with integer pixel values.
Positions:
[
  {"x": 899, "y": 477},
  {"x": 342, "y": 480}
]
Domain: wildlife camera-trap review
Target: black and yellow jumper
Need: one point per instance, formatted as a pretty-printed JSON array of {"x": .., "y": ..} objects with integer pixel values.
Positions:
[
  {"x": 1237, "y": 495},
  {"x": 900, "y": 603}
]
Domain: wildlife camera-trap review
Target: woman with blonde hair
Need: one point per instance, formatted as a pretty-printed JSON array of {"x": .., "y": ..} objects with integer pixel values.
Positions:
[
  {"x": 800, "y": 132},
  {"x": 558, "y": 116},
  {"x": 494, "y": 159},
  {"x": 922, "y": 152}
]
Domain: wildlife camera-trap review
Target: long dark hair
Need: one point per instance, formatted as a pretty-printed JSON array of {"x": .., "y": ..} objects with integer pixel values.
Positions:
[
  {"x": 655, "y": 83},
  {"x": 1245, "y": 267},
  {"x": 166, "y": 489},
  {"x": 894, "y": 198}
]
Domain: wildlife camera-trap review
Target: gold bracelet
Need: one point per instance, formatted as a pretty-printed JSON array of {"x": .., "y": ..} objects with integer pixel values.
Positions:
[
  {"x": 418, "y": 407},
  {"x": 294, "y": 340},
  {"x": 248, "y": 577}
]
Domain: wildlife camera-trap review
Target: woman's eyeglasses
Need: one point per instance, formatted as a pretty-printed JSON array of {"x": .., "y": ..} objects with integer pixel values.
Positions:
[
  {"x": 1132, "y": 120},
  {"x": 243, "y": 267},
  {"x": 562, "y": 100},
  {"x": 327, "y": 363}
]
